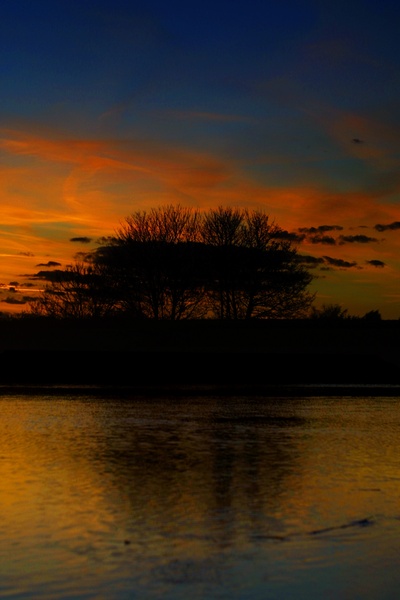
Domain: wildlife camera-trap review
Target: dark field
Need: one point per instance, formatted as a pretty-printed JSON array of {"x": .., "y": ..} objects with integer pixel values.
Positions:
[{"x": 231, "y": 355}]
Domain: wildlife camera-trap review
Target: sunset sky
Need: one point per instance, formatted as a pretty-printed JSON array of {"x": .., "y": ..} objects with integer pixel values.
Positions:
[{"x": 291, "y": 107}]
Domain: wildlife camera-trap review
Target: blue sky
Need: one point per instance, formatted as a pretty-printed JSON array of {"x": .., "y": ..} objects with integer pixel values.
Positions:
[{"x": 289, "y": 107}]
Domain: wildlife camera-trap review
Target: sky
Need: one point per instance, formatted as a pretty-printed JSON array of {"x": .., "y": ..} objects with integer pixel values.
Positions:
[{"x": 289, "y": 107}]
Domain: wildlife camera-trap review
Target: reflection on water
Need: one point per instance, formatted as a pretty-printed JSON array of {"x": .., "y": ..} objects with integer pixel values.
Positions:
[{"x": 204, "y": 498}]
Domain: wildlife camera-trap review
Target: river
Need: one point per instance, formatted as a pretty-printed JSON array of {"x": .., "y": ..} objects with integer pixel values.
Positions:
[{"x": 228, "y": 498}]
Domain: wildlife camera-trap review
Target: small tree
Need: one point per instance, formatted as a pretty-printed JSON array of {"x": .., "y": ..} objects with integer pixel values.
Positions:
[
  {"x": 373, "y": 315},
  {"x": 329, "y": 312},
  {"x": 81, "y": 291}
]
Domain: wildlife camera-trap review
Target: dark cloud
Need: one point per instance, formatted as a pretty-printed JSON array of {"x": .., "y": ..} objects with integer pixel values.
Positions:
[
  {"x": 310, "y": 261},
  {"x": 375, "y": 263},
  {"x": 51, "y": 263},
  {"x": 285, "y": 235},
  {"x": 316, "y": 235},
  {"x": 82, "y": 240},
  {"x": 338, "y": 262},
  {"x": 390, "y": 226},
  {"x": 322, "y": 239},
  {"x": 356, "y": 239},
  {"x": 26, "y": 254},
  {"x": 320, "y": 229}
]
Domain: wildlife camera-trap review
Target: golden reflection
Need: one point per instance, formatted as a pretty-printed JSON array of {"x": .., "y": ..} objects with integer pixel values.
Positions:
[{"x": 98, "y": 480}]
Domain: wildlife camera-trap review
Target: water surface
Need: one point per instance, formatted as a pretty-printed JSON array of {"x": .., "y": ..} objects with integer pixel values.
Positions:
[{"x": 218, "y": 498}]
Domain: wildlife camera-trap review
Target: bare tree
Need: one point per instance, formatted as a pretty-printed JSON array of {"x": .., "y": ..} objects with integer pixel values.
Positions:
[
  {"x": 255, "y": 272},
  {"x": 222, "y": 232},
  {"x": 154, "y": 254},
  {"x": 78, "y": 292},
  {"x": 169, "y": 224}
]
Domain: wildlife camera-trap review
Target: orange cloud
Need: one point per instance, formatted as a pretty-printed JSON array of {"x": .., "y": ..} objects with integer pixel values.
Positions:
[{"x": 87, "y": 182}]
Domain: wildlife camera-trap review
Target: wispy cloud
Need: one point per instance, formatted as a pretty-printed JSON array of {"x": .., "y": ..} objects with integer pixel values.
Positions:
[
  {"x": 339, "y": 263},
  {"x": 50, "y": 263},
  {"x": 82, "y": 239},
  {"x": 320, "y": 229},
  {"x": 356, "y": 239},
  {"x": 322, "y": 239}
]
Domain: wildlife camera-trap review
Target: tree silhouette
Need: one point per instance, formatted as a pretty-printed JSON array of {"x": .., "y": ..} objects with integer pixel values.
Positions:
[
  {"x": 177, "y": 263},
  {"x": 255, "y": 272},
  {"x": 373, "y": 315},
  {"x": 155, "y": 261},
  {"x": 80, "y": 291},
  {"x": 329, "y": 312}
]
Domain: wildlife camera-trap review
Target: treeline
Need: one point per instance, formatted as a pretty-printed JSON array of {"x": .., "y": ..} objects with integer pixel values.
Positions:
[
  {"x": 176, "y": 263},
  {"x": 179, "y": 263}
]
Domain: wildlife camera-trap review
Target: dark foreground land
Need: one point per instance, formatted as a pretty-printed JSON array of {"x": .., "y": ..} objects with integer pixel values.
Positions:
[{"x": 265, "y": 357}]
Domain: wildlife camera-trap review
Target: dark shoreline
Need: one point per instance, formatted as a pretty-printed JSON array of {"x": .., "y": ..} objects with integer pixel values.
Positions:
[
  {"x": 254, "y": 373},
  {"x": 159, "y": 357},
  {"x": 253, "y": 391}
]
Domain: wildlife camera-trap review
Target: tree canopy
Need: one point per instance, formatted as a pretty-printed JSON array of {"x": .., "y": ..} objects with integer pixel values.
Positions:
[{"x": 178, "y": 263}]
